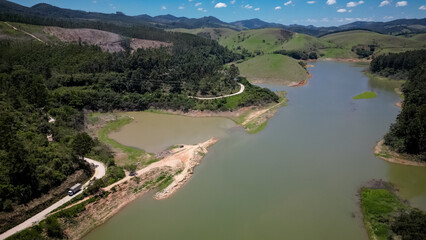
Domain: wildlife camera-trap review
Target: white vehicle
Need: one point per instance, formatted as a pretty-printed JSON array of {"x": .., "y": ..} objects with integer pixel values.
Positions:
[{"x": 74, "y": 189}]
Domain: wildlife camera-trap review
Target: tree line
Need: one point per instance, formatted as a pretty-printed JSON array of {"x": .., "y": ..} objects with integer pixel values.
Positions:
[{"x": 408, "y": 133}]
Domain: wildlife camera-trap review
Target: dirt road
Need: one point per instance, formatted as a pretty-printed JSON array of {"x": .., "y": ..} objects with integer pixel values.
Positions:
[
  {"x": 225, "y": 96},
  {"x": 29, "y": 34},
  {"x": 100, "y": 171}
]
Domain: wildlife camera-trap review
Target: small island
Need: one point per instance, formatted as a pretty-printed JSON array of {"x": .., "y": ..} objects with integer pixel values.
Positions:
[
  {"x": 386, "y": 216},
  {"x": 365, "y": 95}
]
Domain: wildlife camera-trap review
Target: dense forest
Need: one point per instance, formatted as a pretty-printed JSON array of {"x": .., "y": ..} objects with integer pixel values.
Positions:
[
  {"x": 38, "y": 81},
  {"x": 29, "y": 164},
  {"x": 408, "y": 134},
  {"x": 398, "y": 65}
]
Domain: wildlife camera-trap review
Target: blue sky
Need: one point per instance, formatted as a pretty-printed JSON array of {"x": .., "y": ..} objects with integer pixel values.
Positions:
[{"x": 304, "y": 12}]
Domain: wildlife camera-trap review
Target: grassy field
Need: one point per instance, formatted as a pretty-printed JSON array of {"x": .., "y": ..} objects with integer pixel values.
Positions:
[
  {"x": 365, "y": 95},
  {"x": 386, "y": 43},
  {"x": 418, "y": 37},
  {"x": 386, "y": 216},
  {"x": 273, "y": 68},
  {"x": 303, "y": 42},
  {"x": 266, "y": 40},
  {"x": 33, "y": 29},
  {"x": 9, "y": 32},
  {"x": 378, "y": 207}
]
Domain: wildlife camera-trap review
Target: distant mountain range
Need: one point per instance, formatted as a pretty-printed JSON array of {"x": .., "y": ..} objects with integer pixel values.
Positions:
[{"x": 43, "y": 10}]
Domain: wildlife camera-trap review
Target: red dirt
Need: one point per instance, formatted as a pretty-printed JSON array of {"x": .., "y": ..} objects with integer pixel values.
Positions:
[{"x": 301, "y": 83}]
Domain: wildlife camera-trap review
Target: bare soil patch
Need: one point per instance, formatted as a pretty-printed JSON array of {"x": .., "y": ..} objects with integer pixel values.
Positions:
[
  {"x": 179, "y": 165},
  {"x": 384, "y": 152},
  {"x": 107, "y": 41}
]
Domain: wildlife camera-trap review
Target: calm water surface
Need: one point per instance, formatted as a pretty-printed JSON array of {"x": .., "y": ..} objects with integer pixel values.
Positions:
[
  {"x": 297, "y": 179},
  {"x": 156, "y": 132}
]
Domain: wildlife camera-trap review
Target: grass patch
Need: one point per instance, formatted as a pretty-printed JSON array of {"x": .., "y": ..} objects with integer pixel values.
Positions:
[
  {"x": 386, "y": 216},
  {"x": 259, "y": 123},
  {"x": 365, "y": 95},
  {"x": 383, "y": 154},
  {"x": 273, "y": 68},
  {"x": 165, "y": 182},
  {"x": 254, "y": 128},
  {"x": 378, "y": 207}
]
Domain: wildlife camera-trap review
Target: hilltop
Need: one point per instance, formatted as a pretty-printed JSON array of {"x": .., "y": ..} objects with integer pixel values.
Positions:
[
  {"x": 261, "y": 46},
  {"x": 15, "y": 11}
]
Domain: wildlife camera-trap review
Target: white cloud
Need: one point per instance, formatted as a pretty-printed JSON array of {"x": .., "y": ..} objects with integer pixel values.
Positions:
[
  {"x": 342, "y": 10},
  {"x": 331, "y": 2},
  {"x": 233, "y": 1},
  {"x": 387, "y": 17},
  {"x": 287, "y": 3},
  {"x": 248, "y": 6},
  {"x": 277, "y": 8},
  {"x": 163, "y": 7},
  {"x": 324, "y": 20},
  {"x": 200, "y": 9},
  {"x": 198, "y": 4},
  {"x": 256, "y": 9},
  {"x": 384, "y": 3},
  {"x": 181, "y": 7},
  {"x": 220, "y": 5},
  {"x": 310, "y": 2},
  {"x": 94, "y": 1},
  {"x": 112, "y": 6},
  {"x": 401, "y": 4},
  {"x": 422, "y": 7},
  {"x": 354, "y": 4},
  {"x": 190, "y": 0},
  {"x": 309, "y": 20}
]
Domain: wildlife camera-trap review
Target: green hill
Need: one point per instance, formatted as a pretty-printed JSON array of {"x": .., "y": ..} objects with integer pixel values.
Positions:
[
  {"x": 273, "y": 68},
  {"x": 349, "y": 40},
  {"x": 266, "y": 40},
  {"x": 418, "y": 37}
]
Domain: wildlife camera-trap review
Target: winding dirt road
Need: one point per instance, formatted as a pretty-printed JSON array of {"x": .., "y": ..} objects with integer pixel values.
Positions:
[
  {"x": 224, "y": 96},
  {"x": 100, "y": 171},
  {"x": 29, "y": 34}
]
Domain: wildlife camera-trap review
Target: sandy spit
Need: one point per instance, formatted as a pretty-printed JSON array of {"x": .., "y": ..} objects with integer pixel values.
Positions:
[{"x": 393, "y": 157}]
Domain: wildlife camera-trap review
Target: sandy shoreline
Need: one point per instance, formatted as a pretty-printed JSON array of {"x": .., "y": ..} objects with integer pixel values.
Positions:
[
  {"x": 184, "y": 158},
  {"x": 179, "y": 166},
  {"x": 383, "y": 152}
]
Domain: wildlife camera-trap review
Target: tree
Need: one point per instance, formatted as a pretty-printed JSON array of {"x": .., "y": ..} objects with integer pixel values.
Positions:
[
  {"x": 82, "y": 144},
  {"x": 233, "y": 71}
]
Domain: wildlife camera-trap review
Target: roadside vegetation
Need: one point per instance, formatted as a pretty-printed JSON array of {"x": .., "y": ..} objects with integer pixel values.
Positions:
[{"x": 386, "y": 216}]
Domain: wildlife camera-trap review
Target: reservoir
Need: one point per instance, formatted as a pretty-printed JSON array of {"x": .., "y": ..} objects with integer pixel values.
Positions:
[
  {"x": 297, "y": 179},
  {"x": 156, "y": 132}
]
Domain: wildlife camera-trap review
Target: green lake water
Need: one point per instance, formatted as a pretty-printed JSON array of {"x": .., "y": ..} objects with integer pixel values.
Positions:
[
  {"x": 156, "y": 132},
  {"x": 297, "y": 179}
]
